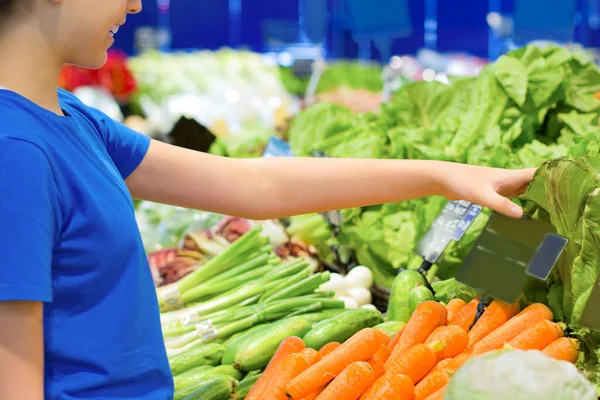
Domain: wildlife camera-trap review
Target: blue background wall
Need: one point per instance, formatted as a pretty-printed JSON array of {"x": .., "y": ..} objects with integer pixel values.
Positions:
[{"x": 205, "y": 24}]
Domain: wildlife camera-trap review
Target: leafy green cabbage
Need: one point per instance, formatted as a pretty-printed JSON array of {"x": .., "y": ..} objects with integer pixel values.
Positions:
[{"x": 518, "y": 375}]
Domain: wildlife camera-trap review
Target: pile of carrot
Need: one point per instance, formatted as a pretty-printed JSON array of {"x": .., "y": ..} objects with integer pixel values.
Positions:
[{"x": 417, "y": 363}]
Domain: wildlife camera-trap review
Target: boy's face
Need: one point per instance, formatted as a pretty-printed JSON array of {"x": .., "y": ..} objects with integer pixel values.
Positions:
[{"x": 85, "y": 29}]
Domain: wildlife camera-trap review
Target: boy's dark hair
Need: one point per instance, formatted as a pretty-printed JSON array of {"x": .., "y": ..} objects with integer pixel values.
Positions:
[{"x": 8, "y": 8}]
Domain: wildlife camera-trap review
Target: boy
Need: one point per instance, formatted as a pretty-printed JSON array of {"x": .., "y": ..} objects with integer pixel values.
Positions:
[{"x": 78, "y": 312}]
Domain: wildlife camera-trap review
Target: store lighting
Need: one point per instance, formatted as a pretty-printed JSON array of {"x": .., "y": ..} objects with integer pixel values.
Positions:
[
  {"x": 274, "y": 102},
  {"x": 396, "y": 62},
  {"x": 442, "y": 79},
  {"x": 232, "y": 96},
  {"x": 285, "y": 59},
  {"x": 428, "y": 75}
]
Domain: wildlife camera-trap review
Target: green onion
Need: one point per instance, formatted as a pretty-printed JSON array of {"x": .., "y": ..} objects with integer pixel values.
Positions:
[
  {"x": 213, "y": 289},
  {"x": 286, "y": 282},
  {"x": 305, "y": 286}
]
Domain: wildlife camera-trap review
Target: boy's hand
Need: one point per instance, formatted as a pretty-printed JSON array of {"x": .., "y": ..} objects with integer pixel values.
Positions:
[{"x": 488, "y": 187}]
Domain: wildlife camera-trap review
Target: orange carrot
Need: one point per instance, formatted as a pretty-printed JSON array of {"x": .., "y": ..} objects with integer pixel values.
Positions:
[
  {"x": 314, "y": 395},
  {"x": 311, "y": 355},
  {"x": 440, "y": 365},
  {"x": 458, "y": 361},
  {"x": 293, "y": 365},
  {"x": 416, "y": 362},
  {"x": 512, "y": 328},
  {"x": 395, "y": 339},
  {"x": 431, "y": 384},
  {"x": 391, "y": 386},
  {"x": 538, "y": 336},
  {"x": 453, "y": 307},
  {"x": 328, "y": 348},
  {"x": 378, "y": 360},
  {"x": 496, "y": 315},
  {"x": 359, "y": 347},
  {"x": 465, "y": 317},
  {"x": 439, "y": 395},
  {"x": 354, "y": 380},
  {"x": 454, "y": 338},
  {"x": 289, "y": 346},
  {"x": 565, "y": 349},
  {"x": 427, "y": 316}
]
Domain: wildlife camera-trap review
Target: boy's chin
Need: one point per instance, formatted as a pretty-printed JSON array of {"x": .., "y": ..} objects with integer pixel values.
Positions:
[{"x": 90, "y": 61}]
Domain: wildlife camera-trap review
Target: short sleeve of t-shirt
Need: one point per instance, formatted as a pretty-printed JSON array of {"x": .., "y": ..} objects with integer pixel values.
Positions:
[
  {"x": 29, "y": 222},
  {"x": 125, "y": 146}
]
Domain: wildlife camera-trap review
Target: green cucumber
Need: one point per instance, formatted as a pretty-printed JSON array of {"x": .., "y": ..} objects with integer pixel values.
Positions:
[
  {"x": 398, "y": 307},
  {"x": 390, "y": 327},
  {"x": 323, "y": 315},
  {"x": 340, "y": 328},
  {"x": 245, "y": 386},
  {"x": 418, "y": 295},
  {"x": 203, "y": 354},
  {"x": 213, "y": 388},
  {"x": 221, "y": 370},
  {"x": 195, "y": 370},
  {"x": 256, "y": 350},
  {"x": 233, "y": 345}
]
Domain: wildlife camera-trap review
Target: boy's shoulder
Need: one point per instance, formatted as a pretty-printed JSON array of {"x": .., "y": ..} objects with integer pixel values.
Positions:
[{"x": 23, "y": 120}]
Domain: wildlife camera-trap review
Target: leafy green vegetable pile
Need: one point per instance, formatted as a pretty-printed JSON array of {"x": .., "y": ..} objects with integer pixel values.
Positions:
[
  {"x": 567, "y": 193},
  {"x": 530, "y": 106},
  {"x": 350, "y": 74}
]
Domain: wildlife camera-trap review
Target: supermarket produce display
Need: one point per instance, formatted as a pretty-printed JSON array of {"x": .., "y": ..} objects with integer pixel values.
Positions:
[{"x": 252, "y": 309}]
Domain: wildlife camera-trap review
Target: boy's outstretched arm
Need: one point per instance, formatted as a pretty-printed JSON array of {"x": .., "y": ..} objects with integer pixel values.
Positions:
[
  {"x": 21, "y": 350},
  {"x": 279, "y": 187}
]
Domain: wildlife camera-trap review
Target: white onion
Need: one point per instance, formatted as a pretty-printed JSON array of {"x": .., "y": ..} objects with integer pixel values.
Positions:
[
  {"x": 359, "y": 276},
  {"x": 369, "y": 307},
  {"x": 336, "y": 284},
  {"x": 349, "y": 302},
  {"x": 361, "y": 295}
]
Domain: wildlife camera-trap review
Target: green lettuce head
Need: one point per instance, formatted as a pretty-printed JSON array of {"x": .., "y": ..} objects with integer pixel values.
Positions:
[{"x": 518, "y": 375}]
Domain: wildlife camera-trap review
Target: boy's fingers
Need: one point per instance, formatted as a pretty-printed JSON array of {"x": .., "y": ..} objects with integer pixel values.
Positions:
[{"x": 504, "y": 206}]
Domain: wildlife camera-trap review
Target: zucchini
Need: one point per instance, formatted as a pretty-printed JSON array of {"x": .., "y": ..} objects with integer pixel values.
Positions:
[
  {"x": 418, "y": 295},
  {"x": 195, "y": 370},
  {"x": 183, "y": 381},
  {"x": 214, "y": 388},
  {"x": 340, "y": 328},
  {"x": 257, "y": 349},
  {"x": 203, "y": 354},
  {"x": 245, "y": 386},
  {"x": 233, "y": 345},
  {"x": 323, "y": 315},
  {"x": 398, "y": 307},
  {"x": 390, "y": 327}
]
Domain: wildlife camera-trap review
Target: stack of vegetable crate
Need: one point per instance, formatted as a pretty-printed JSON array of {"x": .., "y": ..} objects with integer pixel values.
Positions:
[
  {"x": 418, "y": 361},
  {"x": 223, "y": 322}
]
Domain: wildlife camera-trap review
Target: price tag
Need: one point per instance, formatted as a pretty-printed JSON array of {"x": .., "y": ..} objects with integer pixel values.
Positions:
[
  {"x": 507, "y": 251},
  {"x": 277, "y": 148},
  {"x": 302, "y": 68},
  {"x": 452, "y": 223},
  {"x": 190, "y": 134}
]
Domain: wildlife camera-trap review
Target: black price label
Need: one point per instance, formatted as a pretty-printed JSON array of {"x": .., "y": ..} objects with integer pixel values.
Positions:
[
  {"x": 451, "y": 224},
  {"x": 303, "y": 68},
  {"x": 190, "y": 134},
  {"x": 507, "y": 251}
]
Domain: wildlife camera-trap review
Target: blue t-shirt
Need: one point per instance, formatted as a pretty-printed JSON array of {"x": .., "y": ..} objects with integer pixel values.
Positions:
[{"x": 69, "y": 238}]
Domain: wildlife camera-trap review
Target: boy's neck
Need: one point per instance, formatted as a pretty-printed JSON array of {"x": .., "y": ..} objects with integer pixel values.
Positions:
[{"x": 28, "y": 67}]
